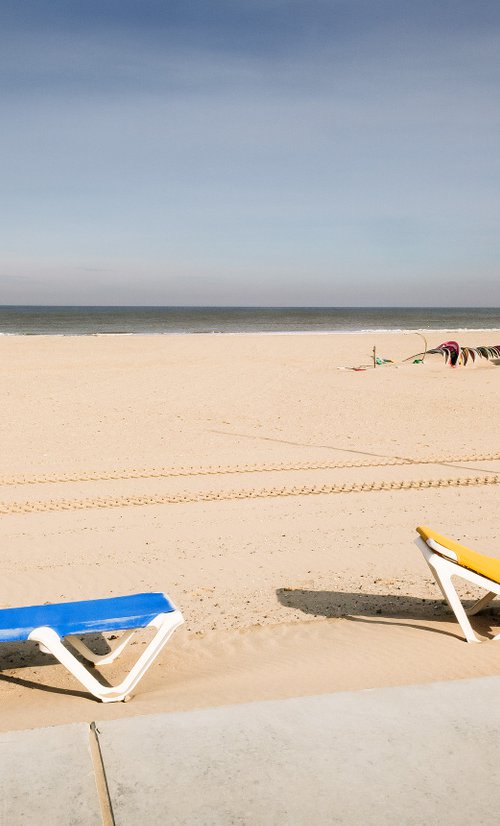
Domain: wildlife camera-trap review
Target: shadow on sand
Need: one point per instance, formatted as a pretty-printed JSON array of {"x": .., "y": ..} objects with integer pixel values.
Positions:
[
  {"x": 387, "y": 608},
  {"x": 26, "y": 654}
]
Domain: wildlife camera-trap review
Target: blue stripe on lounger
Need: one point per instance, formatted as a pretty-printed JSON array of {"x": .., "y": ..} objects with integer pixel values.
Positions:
[{"x": 94, "y": 615}]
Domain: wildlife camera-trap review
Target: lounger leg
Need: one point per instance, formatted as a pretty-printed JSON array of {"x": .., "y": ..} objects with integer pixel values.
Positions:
[
  {"x": 101, "y": 659},
  {"x": 51, "y": 642},
  {"x": 444, "y": 581},
  {"x": 439, "y": 583},
  {"x": 481, "y": 603},
  {"x": 165, "y": 625}
]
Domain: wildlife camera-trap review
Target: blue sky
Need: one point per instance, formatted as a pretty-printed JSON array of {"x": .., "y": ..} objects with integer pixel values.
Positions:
[{"x": 250, "y": 152}]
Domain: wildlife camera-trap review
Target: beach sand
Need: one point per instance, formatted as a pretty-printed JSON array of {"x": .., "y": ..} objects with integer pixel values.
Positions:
[{"x": 283, "y": 595}]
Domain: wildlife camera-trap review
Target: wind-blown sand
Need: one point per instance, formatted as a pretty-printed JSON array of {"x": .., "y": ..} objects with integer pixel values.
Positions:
[{"x": 283, "y": 595}]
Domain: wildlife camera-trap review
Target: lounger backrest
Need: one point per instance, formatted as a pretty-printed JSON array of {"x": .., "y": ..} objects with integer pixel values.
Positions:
[{"x": 487, "y": 566}]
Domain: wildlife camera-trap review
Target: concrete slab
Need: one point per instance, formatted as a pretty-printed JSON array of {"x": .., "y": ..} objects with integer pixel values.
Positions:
[
  {"x": 411, "y": 755},
  {"x": 47, "y": 777}
]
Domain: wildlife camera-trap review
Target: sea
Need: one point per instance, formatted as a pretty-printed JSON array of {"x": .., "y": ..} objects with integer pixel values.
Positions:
[{"x": 80, "y": 321}]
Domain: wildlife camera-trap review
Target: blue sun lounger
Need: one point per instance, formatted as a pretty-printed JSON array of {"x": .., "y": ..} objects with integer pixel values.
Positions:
[{"x": 50, "y": 625}]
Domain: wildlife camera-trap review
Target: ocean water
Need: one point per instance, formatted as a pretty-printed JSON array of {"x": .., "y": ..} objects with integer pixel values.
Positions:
[{"x": 16, "y": 320}]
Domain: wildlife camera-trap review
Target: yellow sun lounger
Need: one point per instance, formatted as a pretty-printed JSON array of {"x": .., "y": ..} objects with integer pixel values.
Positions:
[{"x": 446, "y": 559}]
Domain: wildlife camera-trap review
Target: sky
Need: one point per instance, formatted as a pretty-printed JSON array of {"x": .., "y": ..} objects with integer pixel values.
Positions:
[{"x": 250, "y": 152}]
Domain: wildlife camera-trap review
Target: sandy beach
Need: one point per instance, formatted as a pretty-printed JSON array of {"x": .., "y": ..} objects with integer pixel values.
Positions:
[{"x": 286, "y": 591}]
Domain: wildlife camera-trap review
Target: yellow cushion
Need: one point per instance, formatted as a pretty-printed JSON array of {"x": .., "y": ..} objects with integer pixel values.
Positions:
[{"x": 487, "y": 566}]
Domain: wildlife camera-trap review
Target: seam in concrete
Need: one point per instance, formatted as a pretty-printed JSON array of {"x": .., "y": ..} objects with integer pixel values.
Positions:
[{"x": 108, "y": 818}]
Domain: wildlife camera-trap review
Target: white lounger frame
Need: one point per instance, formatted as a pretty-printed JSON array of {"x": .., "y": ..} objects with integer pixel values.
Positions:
[
  {"x": 443, "y": 570},
  {"x": 50, "y": 643}
]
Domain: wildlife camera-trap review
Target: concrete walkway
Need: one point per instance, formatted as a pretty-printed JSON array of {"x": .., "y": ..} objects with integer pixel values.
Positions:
[
  {"x": 47, "y": 777},
  {"x": 410, "y": 755}
]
